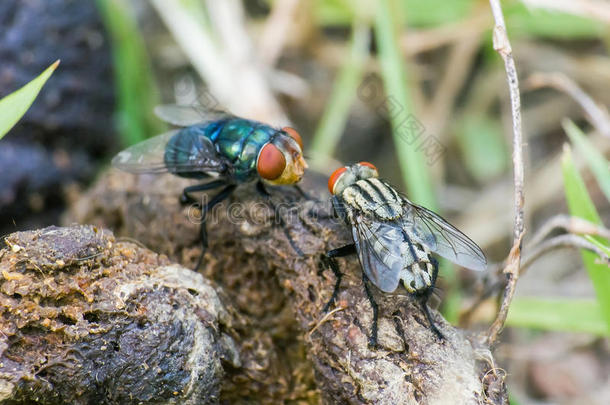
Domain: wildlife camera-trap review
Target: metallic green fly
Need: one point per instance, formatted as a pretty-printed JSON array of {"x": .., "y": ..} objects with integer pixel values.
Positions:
[{"x": 220, "y": 149}]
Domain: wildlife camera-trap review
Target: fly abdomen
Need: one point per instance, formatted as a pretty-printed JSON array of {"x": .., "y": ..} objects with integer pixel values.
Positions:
[
  {"x": 417, "y": 277},
  {"x": 184, "y": 149},
  {"x": 417, "y": 274}
]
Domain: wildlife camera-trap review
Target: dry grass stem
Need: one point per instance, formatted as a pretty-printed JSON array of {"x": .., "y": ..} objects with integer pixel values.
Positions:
[
  {"x": 325, "y": 318},
  {"x": 511, "y": 270},
  {"x": 596, "y": 114},
  {"x": 538, "y": 246},
  {"x": 569, "y": 224},
  {"x": 543, "y": 188},
  {"x": 503, "y": 47},
  {"x": 569, "y": 240}
]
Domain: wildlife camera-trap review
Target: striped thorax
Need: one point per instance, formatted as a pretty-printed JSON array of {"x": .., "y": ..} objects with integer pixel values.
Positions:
[{"x": 375, "y": 197}]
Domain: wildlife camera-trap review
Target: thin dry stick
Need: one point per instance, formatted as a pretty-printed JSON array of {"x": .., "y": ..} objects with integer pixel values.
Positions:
[
  {"x": 544, "y": 187},
  {"x": 502, "y": 46},
  {"x": 597, "y": 115},
  {"x": 560, "y": 241},
  {"x": 324, "y": 319},
  {"x": 573, "y": 225},
  {"x": 538, "y": 246}
]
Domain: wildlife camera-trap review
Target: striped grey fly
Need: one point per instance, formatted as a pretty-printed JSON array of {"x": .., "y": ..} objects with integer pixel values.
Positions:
[{"x": 393, "y": 238}]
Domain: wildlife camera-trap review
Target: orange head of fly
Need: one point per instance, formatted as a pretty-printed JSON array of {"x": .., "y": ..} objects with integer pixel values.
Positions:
[
  {"x": 281, "y": 161},
  {"x": 348, "y": 175}
]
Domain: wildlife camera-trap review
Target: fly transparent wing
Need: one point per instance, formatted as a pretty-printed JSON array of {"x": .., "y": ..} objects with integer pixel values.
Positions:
[
  {"x": 442, "y": 238},
  {"x": 146, "y": 156},
  {"x": 149, "y": 157},
  {"x": 383, "y": 251},
  {"x": 187, "y": 115}
]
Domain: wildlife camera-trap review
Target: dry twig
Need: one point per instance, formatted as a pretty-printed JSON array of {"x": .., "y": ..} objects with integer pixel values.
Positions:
[
  {"x": 596, "y": 114},
  {"x": 502, "y": 46},
  {"x": 573, "y": 225},
  {"x": 538, "y": 246},
  {"x": 569, "y": 240}
]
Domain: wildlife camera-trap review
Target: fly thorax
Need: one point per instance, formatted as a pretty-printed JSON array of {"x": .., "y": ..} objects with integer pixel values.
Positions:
[
  {"x": 374, "y": 197},
  {"x": 417, "y": 276}
]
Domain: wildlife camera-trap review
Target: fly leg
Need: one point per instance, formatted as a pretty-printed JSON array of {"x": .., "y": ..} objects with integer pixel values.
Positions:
[
  {"x": 223, "y": 195},
  {"x": 373, "y": 338},
  {"x": 423, "y": 300},
  {"x": 186, "y": 197},
  {"x": 260, "y": 187},
  {"x": 329, "y": 261}
]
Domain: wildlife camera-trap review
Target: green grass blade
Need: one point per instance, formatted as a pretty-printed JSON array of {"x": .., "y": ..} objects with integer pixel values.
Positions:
[
  {"x": 410, "y": 157},
  {"x": 420, "y": 13},
  {"x": 16, "y": 104},
  {"x": 136, "y": 89},
  {"x": 343, "y": 94},
  {"x": 580, "y": 205},
  {"x": 332, "y": 12},
  {"x": 558, "y": 314},
  {"x": 524, "y": 21},
  {"x": 596, "y": 161},
  {"x": 436, "y": 12}
]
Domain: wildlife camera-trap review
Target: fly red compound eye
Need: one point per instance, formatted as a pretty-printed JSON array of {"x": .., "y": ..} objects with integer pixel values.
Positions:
[
  {"x": 334, "y": 177},
  {"x": 294, "y": 135},
  {"x": 367, "y": 164},
  {"x": 271, "y": 162}
]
